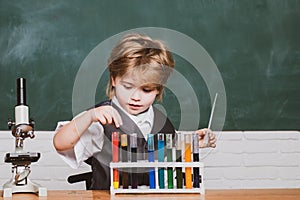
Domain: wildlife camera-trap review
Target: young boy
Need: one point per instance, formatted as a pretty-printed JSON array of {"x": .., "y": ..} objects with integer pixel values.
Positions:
[{"x": 139, "y": 68}]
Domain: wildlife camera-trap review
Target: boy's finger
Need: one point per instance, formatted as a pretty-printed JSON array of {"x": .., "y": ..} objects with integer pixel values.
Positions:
[
  {"x": 117, "y": 118},
  {"x": 108, "y": 117},
  {"x": 213, "y": 145},
  {"x": 201, "y": 132},
  {"x": 102, "y": 119}
]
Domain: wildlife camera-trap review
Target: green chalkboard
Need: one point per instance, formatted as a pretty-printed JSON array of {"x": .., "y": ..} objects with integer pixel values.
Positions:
[{"x": 254, "y": 44}]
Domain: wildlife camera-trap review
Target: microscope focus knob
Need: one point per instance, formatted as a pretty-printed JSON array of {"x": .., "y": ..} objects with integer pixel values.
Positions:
[
  {"x": 10, "y": 123},
  {"x": 31, "y": 122},
  {"x": 31, "y": 134}
]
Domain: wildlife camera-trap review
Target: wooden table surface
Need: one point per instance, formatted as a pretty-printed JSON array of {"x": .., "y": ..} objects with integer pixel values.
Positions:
[{"x": 263, "y": 194}]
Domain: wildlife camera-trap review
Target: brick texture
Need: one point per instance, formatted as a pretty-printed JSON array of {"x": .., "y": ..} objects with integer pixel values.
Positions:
[{"x": 241, "y": 160}]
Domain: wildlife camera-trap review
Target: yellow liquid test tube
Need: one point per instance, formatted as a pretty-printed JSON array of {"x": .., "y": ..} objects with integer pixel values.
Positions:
[{"x": 188, "y": 158}]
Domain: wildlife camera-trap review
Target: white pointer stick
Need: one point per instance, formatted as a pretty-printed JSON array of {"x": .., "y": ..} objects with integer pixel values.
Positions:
[{"x": 210, "y": 120}]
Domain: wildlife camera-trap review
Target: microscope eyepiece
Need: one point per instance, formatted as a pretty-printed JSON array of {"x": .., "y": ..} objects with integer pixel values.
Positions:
[{"x": 21, "y": 91}]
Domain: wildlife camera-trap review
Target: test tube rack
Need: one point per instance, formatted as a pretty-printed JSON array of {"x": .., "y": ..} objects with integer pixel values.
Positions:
[{"x": 156, "y": 165}]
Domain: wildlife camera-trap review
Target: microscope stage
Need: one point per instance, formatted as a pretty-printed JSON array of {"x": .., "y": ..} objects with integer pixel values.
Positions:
[{"x": 20, "y": 158}]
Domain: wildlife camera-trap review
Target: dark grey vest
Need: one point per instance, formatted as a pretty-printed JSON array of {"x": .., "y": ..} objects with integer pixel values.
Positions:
[{"x": 101, "y": 160}]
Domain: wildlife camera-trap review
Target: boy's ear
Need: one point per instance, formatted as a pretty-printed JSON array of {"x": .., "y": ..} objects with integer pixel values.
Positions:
[{"x": 113, "y": 81}]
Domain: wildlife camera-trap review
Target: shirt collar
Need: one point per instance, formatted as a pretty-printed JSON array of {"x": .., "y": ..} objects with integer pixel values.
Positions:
[{"x": 144, "y": 117}]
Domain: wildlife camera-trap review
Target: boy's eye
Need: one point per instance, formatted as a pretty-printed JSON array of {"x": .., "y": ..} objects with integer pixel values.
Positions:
[
  {"x": 147, "y": 90},
  {"x": 127, "y": 86}
]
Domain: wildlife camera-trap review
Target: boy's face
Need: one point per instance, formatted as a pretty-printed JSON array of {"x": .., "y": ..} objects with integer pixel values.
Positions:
[{"x": 134, "y": 98}]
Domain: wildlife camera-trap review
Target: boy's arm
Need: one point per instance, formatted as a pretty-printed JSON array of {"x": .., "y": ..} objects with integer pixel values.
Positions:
[{"x": 68, "y": 135}]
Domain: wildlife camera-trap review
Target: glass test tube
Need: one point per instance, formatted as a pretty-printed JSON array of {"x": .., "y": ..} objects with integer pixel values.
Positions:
[
  {"x": 161, "y": 158},
  {"x": 196, "y": 175},
  {"x": 169, "y": 149},
  {"x": 187, "y": 158},
  {"x": 179, "y": 177},
  {"x": 115, "y": 158},
  {"x": 124, "y": 145},
  {"x": 133, "y": 150},
  {"x": 151, "y": 149}
]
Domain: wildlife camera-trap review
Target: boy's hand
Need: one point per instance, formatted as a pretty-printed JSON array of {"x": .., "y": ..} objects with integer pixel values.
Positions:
[
  {"x": 106, "y": 115},
  {"x": 211, "y": 138}
]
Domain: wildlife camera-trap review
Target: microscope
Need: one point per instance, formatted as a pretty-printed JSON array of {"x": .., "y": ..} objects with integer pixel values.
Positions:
[{"x": 22, "y": 128}]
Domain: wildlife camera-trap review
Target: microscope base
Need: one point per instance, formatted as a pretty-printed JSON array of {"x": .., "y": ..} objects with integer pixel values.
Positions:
[{"x": 10, "y": 188}]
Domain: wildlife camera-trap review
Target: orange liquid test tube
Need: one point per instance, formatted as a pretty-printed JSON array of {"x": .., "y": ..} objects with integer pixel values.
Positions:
[
  {"x": 115, "y": 158},
  {"x": 188, "y": 158}
]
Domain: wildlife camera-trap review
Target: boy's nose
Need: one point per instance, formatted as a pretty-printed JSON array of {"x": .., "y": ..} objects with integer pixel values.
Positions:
[{"x": 136, "y": 95}]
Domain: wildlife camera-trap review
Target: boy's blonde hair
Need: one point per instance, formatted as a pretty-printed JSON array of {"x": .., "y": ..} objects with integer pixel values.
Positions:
[{"x": 143, "y": 57}]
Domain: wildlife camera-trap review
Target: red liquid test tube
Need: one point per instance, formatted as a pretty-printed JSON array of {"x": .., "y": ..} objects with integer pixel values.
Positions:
[{"x": 115, "y": 158}]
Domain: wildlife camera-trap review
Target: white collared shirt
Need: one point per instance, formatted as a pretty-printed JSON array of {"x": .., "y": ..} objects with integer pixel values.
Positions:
[
  {"x": 92, "y": 139},
  {"x": 144, "y": 120}
]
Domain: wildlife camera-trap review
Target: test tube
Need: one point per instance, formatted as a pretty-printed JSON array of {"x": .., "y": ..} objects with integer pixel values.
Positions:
[
  {"x": 161, "y": 158},
  {"x": 151, "y": 149},
  {"x": 133, "y": 150},
  {"x": 187, "y": 158},
  {"x": 115, "y": 158},
  {"x": 124, "y": 145},
  {"x": 196, "y": 175},
  {"x": 178, "y": 159},
  {"x": 169, "y": 148}
]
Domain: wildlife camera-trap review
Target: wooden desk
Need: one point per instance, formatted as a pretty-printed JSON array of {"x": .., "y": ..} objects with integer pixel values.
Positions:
[{"x": 260, "y": 194}]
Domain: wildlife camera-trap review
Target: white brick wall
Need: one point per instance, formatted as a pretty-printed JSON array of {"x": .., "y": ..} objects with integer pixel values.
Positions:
[{"x": 260, "y": 159}]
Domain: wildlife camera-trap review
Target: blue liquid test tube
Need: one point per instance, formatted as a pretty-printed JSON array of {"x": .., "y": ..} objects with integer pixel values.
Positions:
[
  {"x": 133, "y": 152},
  {"x": 151, "y": 149},
  {"x": 196, "y": 176},
  {"x": 161, "y": 158},
  {"x": 169, "y": 149}
]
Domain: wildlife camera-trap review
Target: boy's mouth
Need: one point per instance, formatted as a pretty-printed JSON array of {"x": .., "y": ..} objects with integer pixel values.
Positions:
[{"x": 134, "y": 106}]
